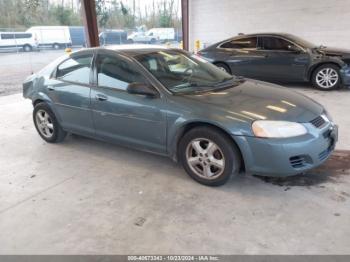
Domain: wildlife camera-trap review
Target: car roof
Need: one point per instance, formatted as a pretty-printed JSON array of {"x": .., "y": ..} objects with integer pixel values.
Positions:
[
  {"x": 264, "y": 33},
  {"x": 129, "y": 50}
]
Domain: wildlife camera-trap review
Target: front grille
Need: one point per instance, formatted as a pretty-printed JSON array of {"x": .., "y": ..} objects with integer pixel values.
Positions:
[
  {"x": 318, "y": 122},
  {"x": 297, "y": 161}
]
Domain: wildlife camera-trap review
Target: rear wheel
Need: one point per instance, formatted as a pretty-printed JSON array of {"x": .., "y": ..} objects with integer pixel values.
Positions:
[
  {"x": 56, "y": 46},
  {"x": 326, "y": 77},
  {"x": 223, "y": 67},
  {"x": 27, "y": 48},
  {"x": 209, "y": 156},
  {"x": 47, "y": 125}
]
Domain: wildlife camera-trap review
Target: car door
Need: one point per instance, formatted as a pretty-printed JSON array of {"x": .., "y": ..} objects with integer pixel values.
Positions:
[
  {"x": 133, "y": 120},
  {"x": 69, "y": 90},
  {"x": 283, "y": 60},
  {"x": 241, "y": 55}
]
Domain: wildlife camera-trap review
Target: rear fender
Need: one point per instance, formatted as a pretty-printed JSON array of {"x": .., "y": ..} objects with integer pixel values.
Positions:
[{"x": 42, "y": 97}]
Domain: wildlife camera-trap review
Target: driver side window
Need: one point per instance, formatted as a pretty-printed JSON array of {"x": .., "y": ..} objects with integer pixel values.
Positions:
[{"x": 275, "y": 43}]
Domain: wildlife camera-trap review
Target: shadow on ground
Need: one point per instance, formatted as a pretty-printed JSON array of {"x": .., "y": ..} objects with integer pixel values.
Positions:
[{"x": 337, "y": 165}]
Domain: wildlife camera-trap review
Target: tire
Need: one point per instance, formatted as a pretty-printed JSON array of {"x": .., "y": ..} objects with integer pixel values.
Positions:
[
  {"x": 55, "y": 134},
  {"x": 56, "y": 46},
  {"x": 27, "y": 48},
  {"x": 223, "y": 67},
  {"x": 211, "y": 158},
  {"x": 332, "y": 82}
]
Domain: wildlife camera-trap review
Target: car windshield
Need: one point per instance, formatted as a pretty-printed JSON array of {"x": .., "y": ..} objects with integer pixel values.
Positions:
[
  {"x": 182, "y": 73},
  {"x": 301, "y": 41}
]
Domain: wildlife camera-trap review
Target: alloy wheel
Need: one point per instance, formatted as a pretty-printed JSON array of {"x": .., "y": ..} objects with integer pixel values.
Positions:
[
  {"x": 27, "y": 48},
  {"x": 223, "y": 69},
  {"x": 44, "y": 123},
  {"x": 205, "y": 158},
  {"x": 327, "y": 78}
]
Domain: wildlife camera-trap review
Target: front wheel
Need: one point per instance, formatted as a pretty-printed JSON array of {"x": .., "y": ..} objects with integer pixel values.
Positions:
[
  {"x": 326, "y": 77},
  {"x": 47, "y": 125},
  {"x": 223, "y": 67},
  {"x": 209, "y": 156}
]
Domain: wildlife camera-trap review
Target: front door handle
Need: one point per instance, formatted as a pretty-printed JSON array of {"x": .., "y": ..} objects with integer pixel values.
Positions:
[
  {"x": 50, "y": 88},
  {"x": 101, "y": 97}
]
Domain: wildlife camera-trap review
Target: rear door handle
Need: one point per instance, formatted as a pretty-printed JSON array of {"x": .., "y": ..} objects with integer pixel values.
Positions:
[
  {"x": 50, "y": 88},
  {"x": 101, "y": 97}
]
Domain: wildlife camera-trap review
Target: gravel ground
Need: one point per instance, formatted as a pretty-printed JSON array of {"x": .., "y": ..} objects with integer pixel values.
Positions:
[{"x": 16, "y": 67}]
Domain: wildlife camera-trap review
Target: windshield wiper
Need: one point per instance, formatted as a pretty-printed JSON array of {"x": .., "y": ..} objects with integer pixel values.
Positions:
[
  {"x": 187, "y": 85},
  {"x": 236, "y": 79},
  {"x": 223, "y": 81}
]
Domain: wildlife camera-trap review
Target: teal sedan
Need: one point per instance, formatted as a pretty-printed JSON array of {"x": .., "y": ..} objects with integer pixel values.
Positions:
[{"x": 170, "y": 102}]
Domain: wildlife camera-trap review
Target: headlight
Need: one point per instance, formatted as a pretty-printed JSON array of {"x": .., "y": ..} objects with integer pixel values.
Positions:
[{"x": 277, "y": 129}]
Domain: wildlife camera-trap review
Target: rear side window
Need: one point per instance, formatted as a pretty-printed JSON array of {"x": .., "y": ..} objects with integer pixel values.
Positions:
[
  {"x": 26, "y": 35},
  {"x": 245, "y": 42},
  {"x": 116, "y": 72},
  {"x": 275, "y": 43},
  {"x": 7, "y": 36},
  {"x": 75, "y": 70},
  {"x": 16, "y": 36}
]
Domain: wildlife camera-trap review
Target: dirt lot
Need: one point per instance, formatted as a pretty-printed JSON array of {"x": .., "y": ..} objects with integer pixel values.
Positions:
[{"x": 15, "y": 67}]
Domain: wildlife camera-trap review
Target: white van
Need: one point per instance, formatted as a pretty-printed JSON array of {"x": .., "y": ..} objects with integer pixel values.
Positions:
[
  {"x": 153, "y": 35},
  {"x": 18, "y": 41},
  {"x": 52, "y": 36},
  {"x": 162, "y": 34}
]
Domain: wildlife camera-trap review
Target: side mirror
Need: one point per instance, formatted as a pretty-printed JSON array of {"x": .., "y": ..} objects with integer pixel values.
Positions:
[{"x": 141, "y": 89}]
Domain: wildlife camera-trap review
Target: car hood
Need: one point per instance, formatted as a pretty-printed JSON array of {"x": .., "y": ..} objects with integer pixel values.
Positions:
[
  {"x": 332, "y": 51},
  {"x": 254, "y": 100}
]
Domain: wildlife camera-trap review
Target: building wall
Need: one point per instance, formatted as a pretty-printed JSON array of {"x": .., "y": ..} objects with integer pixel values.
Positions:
[{"x": 319, "y": 21}]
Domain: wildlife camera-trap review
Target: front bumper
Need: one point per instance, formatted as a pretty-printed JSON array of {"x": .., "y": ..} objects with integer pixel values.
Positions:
[
  {"x": 290, "y": 156},
  {"x": 345, "y": 75}
]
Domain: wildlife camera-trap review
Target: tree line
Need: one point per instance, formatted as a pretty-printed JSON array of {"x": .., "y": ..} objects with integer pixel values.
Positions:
[{"x": 116, "y": 14}]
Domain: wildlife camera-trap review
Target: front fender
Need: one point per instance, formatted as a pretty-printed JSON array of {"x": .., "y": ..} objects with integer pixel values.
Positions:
[
  {"x": 321, "y": 60},
  {"x": 177, "y": 129}
]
